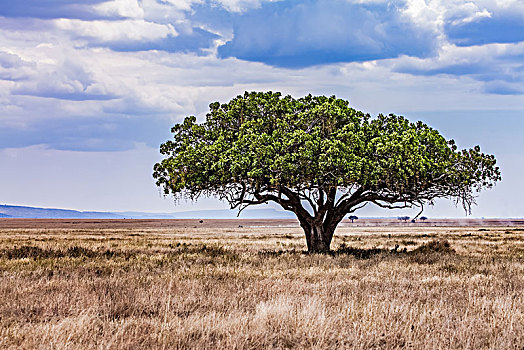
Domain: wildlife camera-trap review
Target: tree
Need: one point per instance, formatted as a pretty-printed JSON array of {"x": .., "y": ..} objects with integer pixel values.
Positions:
[
  {"x": 353, "y": 218},
  {"x": 423, "y": 218},
  {"x": 403, "y": 218},
  {"x": 317, "y": 157}
]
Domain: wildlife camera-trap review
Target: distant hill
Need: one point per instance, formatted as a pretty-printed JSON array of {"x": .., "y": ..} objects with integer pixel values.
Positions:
[{"x": 13, "y": 211}]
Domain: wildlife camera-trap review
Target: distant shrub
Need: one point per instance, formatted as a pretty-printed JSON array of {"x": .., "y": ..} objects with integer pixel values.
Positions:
[
  {"x": 277, "y": 253},
  {"x": 212, "y": 251},
  {"x": 431, "y": 252},
  {"x": 30, "y": 252},
  {"x": 359, "y": 253},
  {"x": 33, "y": 252},
  {"x": 435, "y": 246}
]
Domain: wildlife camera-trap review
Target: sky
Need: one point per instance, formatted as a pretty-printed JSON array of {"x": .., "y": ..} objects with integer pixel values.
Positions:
[{"x": 90, "y": 88}]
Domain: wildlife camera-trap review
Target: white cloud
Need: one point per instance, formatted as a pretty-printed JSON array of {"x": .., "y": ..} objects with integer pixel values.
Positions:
[
  {"x": 182, "y": 5},
  {"x": 514, "y": 5},
  {"x": 427, "y": 14},
  {"x": 242, "y": 5},
  {"x": 55, "y": 64},
  {"x": 437, "y": 13},
  {"x": 484, "y": 63},
  {"x": 113, "y": 31},
  {"x": 120, "y": 8},
  {"x": 13, "y": 67},
  {"x": 476, "y": 16}
]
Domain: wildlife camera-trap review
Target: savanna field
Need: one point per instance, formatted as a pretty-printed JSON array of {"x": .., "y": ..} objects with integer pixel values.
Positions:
[{"x": 247, "y": 284}]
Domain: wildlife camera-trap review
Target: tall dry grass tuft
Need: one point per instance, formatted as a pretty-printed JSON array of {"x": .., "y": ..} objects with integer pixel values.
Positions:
[{"x": 247, "y": 288}]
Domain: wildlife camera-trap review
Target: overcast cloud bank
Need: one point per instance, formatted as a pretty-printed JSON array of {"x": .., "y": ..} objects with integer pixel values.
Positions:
[{"x": 112, "y": 76}]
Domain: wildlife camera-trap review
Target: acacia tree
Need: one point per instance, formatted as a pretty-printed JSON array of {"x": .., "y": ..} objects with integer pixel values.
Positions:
[{"x": 317, "y": 157}]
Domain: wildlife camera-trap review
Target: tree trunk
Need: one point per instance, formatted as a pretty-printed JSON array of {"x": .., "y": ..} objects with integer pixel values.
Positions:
[{"x": 318, "y": 239}]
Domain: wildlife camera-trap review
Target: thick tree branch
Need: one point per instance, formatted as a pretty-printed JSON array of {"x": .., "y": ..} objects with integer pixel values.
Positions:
[{"x": 292, "y": 203}]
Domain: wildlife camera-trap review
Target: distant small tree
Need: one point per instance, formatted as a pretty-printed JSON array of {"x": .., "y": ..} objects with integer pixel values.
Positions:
[
  {"x": 353, "y": 217},
  {"x": 403, "y": 218},
  {"x": 423, "y": 218},
  {"x": 318, "y": 158}
]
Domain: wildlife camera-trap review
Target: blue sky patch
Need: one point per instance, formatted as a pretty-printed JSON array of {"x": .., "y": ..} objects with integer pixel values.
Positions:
[{"x": 108, "y": 133}]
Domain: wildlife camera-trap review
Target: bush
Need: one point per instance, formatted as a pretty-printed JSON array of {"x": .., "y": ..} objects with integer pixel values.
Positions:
[
  {"x": 435, "y": 246},
  {"x": 33, "y": 252},
  {"x": 431, "y": 252},
  {"x": 359, "y": 253}
]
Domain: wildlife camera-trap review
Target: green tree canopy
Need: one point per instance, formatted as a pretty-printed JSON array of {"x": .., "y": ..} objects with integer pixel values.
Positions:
[{"x": 318, "y": 158}]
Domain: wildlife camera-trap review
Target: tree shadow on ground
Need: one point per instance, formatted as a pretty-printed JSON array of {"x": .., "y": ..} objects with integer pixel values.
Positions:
[{"x": 425, "y": 253}]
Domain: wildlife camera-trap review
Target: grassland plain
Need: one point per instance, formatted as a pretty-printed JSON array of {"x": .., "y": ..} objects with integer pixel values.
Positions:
[{"x": 77, "y": 285}]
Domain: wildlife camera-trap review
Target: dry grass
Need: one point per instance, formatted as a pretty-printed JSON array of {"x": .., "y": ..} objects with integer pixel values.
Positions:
[{"x": 253, "y": 287}]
